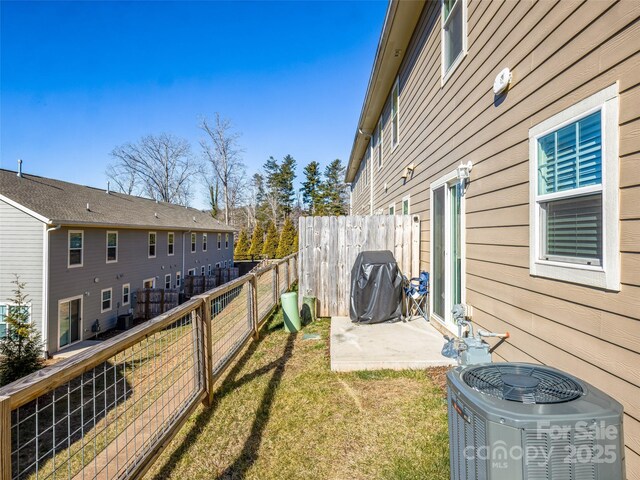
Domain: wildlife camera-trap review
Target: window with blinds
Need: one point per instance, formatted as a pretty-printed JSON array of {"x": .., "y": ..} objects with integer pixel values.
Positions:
[{"x": 570, "y": 165}]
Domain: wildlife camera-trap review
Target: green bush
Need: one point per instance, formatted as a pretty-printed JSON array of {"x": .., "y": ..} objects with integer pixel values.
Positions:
[
  {"x": 270, "y": 246},
  {"x": 21, "y": 348},
  {"x": 257, "y": 239},
  {"x": 242, "y": 245},
  {"x": 288, "y": 237}
]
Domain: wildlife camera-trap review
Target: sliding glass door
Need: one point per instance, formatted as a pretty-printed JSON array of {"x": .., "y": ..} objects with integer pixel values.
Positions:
[{"x": 447, "y": 255}]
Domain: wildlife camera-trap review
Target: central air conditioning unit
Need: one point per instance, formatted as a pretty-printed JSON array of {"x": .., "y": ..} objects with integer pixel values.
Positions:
[{"x": 519, "y": 421}]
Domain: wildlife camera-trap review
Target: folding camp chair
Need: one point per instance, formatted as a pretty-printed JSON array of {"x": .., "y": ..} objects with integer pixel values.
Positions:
[{"x": 416, "y": 292}]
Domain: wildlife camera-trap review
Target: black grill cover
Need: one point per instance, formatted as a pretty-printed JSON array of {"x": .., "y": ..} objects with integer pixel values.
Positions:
[{"x": 376, "y": 288}]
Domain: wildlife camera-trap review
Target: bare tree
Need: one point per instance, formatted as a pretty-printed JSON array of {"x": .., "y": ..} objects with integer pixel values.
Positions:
[
  {"x": 124, "y": 178},
  {"x": 220, "y": 148},
  {"x": 159, "y": 166}
]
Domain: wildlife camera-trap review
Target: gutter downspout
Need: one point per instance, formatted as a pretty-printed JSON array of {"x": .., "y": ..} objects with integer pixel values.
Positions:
[{"x": 45, "y": 288}]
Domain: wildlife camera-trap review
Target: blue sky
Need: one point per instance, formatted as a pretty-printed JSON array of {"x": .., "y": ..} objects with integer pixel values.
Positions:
[{"x": 79, "y": 78}]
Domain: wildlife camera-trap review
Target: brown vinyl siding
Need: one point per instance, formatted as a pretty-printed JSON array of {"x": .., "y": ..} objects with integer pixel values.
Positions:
[{"x": 559, "y": 53}]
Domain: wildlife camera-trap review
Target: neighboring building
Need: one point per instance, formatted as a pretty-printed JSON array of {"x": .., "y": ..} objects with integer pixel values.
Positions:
[
  {"x": 544, "y": 239},
  {"x": 84, "y": 252}
]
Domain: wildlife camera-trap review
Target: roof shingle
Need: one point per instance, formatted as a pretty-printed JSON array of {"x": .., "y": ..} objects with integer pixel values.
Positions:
[{"x": 66, "y": 204}]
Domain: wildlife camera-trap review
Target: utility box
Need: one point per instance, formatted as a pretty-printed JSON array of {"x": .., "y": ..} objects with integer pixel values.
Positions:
[{"x": 125, "y": 322}]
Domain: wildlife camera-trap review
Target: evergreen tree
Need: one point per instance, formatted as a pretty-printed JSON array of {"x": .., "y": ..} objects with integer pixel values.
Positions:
[
  {"x": 271, "y": 243},
  {"x": 334, "y": 190},
  {"x": 311, "y": 188},
  {"x": 287, "y": 191},
  {"x": 242, "y": 246},
  {"x": 296, "y": 246},
  {"x": 257, "y": 239},
  {"x": 287, "y": 239},
  {"x": 21, "y": 348}
]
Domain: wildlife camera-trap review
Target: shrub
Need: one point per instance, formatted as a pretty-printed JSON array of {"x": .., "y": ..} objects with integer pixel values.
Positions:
[
  {"x": 21, "y": 348},
  {"x": 257, "y": 239},
  {"x": 287, "y": 239},
  {"x": 271, "y": 243},
  {"x": 242, "y": 246}
]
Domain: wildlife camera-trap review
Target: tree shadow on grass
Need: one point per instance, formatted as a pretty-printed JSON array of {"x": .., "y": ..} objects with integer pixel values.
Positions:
[{"x": 249, "y": 453}]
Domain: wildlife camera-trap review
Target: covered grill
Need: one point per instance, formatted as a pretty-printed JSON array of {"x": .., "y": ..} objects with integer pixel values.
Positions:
[{"x": 376, "y": 288}]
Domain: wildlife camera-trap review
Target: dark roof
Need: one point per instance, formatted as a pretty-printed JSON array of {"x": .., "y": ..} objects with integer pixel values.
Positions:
[{"x": 65, "y": 203}]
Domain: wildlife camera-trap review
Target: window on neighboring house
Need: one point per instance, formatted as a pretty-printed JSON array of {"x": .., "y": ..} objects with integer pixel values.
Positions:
[
  {"x": 106, "y": 300},
  {"x": 395, "y": 105},
  {"x": 219, "y": 241},
  {"x": 226, "y": 240},
  {"x": 574, "y": 193},
  {"x": 5, "y": 309},
  {"x": 405, "y": 205},
  {"x": 112, "y": 247},
  {"x": 454, "y": 34},
  {"x": 202, "y": 270},
  {"x": 126, "y": 297},
  {"x": 392, "y": 209},
  {"x": 217, "y": 264},
  {"x": 170, "y": 243},
  {"x": 191, "y": 271},
  {"x": 76, "y": 241},
  {"x": 193, "y": 243},
  {"x": 149, "y": 283},
  {"x": 178, "y": 279},
  {"x": 231, "y": 263},
  {"x": 209, "y": 269},
  {"x": 204, "y": 242},
  {"x": 167, "y": 281},
  {"x": 152, "y": 244}
]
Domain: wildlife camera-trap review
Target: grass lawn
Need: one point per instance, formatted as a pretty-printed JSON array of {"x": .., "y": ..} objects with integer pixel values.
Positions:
[{"x": 282, "y": 414}]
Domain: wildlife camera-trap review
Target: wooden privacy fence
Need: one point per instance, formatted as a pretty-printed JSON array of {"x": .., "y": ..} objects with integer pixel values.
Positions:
[
  {"x": 151, "y": 302},
  {"x": 109, "y": 411},
  {"x": 329, "y": 247}
]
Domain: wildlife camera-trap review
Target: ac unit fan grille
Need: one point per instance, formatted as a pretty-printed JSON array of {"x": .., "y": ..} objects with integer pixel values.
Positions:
[{"x": 523, "y": 384}]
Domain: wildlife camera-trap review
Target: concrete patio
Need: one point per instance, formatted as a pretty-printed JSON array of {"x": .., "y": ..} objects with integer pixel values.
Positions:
[
  {"x": 75, "y": 349},
  {"x": 414, "y": 344}
]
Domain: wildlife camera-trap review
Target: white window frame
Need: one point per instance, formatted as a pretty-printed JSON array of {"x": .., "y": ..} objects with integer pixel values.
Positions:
[
  {"x": 155, "y": 245},
  {"x": 219, "y": 241},
  {"x": 191, "y": 272},
  {"x": 152, "y": 280},
  {"x": 171, "y": 243},
  {"x": 447, "y": 181},
  {"x": 395, "y": 91},
  {"x": 209, "y": 269},
  {"x": 81, "y": 232},
  {"x": 607, "y": 275},
  {"x": 8, "y": 305},
  {"x": 226, "y": 241},
  {"x": 204, "y": 242},
  {"x": 446, "y": 74},
  {"x": 194, "y": 242},
  {"x": 128, "y": 294},
  {"x": 392, "y": 206},
  {"x": 107, "y": 244},
  {"x": 167, "y": 281},
  {"x": 408, "y": 200},
  {"x": 217, "y": 264},
  {"x": 178, "y": 279},
  {"x": 81, "y": 319},
  {"x": 202, "y": 270},
  {"x": 102, "y": 309}
]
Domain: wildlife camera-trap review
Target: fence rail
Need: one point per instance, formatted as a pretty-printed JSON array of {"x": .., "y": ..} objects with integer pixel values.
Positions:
[{"x": 108, "y": 411}]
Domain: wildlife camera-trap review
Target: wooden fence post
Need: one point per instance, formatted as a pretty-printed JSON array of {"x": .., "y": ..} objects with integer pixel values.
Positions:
[
  {"x": 5, "y": 439},
  {"x": 287, "y": 277},
  {"x": 252, "y": 305},
  {"x": 276, "y": 288},
  {"x": 205, "y": 308}
]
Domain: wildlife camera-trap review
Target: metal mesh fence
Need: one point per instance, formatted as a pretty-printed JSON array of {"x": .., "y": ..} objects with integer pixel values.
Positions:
[
  {"x": 265, "y": 294},
  {"x": 283, "y": 277},
  {"x": 129, "y": 395},
  {"x": 231, "y": 323},
  {"x": 102, "y": 423}
]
